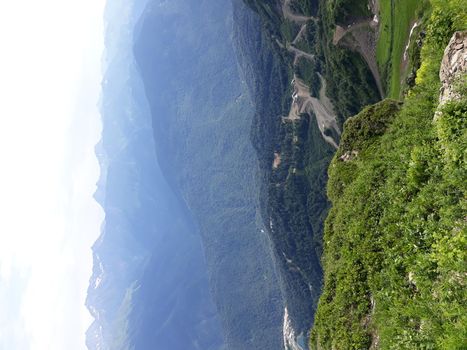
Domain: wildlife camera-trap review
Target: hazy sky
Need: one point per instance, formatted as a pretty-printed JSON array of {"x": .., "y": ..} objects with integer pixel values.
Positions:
[{"x": 49, "y": 84}]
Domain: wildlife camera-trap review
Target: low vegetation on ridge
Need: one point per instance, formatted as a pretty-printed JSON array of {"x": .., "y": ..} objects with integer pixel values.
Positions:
[{"x": 395, "y": 240}]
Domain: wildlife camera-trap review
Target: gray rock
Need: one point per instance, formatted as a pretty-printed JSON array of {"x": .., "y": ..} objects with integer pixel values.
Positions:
[{"x": 453, "y": 65}]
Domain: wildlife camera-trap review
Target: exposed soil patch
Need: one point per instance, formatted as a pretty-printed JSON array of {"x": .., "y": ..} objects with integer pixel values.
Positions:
[{"x": 277, "y": 160}]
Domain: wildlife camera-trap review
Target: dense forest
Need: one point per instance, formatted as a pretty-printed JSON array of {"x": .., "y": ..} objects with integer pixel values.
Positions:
[
  {"x": 293, "y": 193},
  {"x": 201, "y": 114}
]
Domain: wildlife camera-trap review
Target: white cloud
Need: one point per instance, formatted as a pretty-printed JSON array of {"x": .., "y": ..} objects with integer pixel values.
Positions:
[{"x": 49, "y": 122}]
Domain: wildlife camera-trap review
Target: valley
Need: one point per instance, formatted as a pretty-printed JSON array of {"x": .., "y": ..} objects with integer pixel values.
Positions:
[{"x": 282, "y": 175}]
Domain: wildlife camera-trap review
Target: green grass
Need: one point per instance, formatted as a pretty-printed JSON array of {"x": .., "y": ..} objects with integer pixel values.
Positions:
[
  {"x": 289, "y": 30},
  {"x": 396, "y": 19}
]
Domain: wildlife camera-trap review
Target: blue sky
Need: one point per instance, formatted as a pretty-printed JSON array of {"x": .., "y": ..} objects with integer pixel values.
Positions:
[{"x": 50, "y": 70}]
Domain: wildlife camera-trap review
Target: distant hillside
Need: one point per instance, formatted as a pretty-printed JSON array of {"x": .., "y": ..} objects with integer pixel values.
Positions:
[
  {"x": 202, "y": 114},
  {"x": 329, "y": 60},
  {"x": 303, "y": 87},
  {"x": 149, "y": 287},
  {"x": 282, "y": 175}
]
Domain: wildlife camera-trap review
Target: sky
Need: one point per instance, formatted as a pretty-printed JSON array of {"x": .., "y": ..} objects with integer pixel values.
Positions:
[{"x": 50, "y": 75}]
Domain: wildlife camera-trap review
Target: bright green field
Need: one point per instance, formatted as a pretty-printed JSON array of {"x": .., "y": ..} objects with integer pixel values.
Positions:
[{"x": 396, "y": 17}]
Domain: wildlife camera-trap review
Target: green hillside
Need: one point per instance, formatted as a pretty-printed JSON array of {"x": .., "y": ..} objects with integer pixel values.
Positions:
[
  {"x": 395, "y": 239},
  {"x": 394, "y": 243}
]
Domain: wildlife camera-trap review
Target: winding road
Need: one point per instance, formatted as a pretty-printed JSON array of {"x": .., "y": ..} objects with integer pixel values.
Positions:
[
  {"x": 293, "y": 17},
  {"x": 303, "y": 102}
]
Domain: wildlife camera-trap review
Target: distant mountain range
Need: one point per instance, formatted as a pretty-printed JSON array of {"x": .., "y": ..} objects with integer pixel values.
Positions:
[
  {"x": 149, "y": 287},
  {"x": 258, "y": 193}
]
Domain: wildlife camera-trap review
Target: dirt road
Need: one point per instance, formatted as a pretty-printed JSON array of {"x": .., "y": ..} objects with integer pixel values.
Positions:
[
  {"x": 302, "y": 102},
  {"x": 288, "y": 14}
]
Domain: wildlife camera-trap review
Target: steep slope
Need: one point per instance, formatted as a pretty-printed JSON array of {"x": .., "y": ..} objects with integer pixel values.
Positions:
[
  {"x": 287, "y": 66},
  {"x": 215, "y": 156},
  {"x": 395, "y": 250},
  {"x": 201, "y": 114},
  {"x": 284, "y": 205},
  {"x": 310, "y": 69}
]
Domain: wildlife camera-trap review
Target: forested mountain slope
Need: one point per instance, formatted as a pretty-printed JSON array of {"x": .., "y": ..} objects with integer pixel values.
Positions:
[
  {"x": 300, "y": 105},
  {"x": 149, "y": 288},
  {"x": 328, "y": 60},
  {"x": 201, "y": 115},
  {"x": 282, "y": 175}
]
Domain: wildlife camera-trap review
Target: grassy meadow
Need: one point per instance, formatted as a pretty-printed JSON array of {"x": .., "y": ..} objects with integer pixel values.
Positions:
[{"x": 396, "y": 19}]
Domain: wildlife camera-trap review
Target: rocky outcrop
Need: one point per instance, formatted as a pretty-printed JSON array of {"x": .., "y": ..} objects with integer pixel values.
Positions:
[{"x": 454, "y": 65}]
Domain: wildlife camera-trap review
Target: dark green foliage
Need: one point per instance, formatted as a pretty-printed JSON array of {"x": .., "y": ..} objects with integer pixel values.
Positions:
[
  {"x": 310, "y": 40},
  {"x": 289, "y": 30},
  {"x": 297, "y": 206},
  {"x": 347, "y": 11},
  {"x": 305, "y": 7},
  {"x": 351, "y": 85},
  {"x": 306, "y": 71},
  {"x": 367, "y": 125},
  {"x": 266, "y": 69}
]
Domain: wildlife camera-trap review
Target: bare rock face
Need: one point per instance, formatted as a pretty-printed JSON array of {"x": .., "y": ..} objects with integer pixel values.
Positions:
[{"x": 454, "y": 64}]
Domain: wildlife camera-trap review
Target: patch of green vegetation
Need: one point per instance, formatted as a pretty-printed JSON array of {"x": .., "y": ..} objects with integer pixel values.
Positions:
[
  {"x": 347, "y": 11},
  {"x": 307, "y": 69},
  {"x": 309, "y": 41},
  {"x": 304, "y": 69},
  {"x": 289, "y": 30},
  {"x": 304, "y": 7},
  {"x": 396, "y": 20},
  {"x": 297, "y": 207},
  {"x": 350, "y": 84},
  {"x": 395, "y": 241}
]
